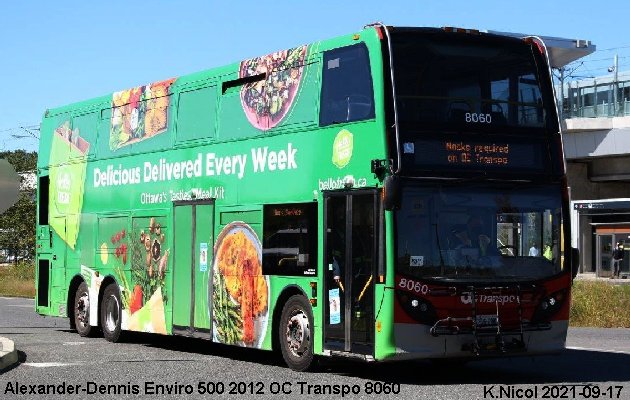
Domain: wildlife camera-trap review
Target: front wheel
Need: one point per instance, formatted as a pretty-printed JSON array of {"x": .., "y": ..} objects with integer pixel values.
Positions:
[
  {"x": 81, "y": 315},
  {"x": 295, "y": 333},
  {"x": 111, "y": 312}
]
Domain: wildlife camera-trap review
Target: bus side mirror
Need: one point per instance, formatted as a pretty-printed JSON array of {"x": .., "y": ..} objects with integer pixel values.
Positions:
[
  {"x": 391, "y": 192},
  {"x": 575, "y": 262}
]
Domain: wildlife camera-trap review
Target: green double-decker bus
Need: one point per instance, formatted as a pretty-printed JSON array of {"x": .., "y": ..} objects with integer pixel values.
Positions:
[{"x": 390, "y": 194}]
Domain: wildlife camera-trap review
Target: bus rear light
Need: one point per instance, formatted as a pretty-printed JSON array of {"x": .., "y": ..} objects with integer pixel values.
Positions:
[
  {"x": 379, "y": 326},
  {"x": 313, "y": 302}
]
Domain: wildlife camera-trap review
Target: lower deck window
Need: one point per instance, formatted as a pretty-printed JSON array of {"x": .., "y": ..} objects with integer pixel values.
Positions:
[{"x": 290, "y": 239}]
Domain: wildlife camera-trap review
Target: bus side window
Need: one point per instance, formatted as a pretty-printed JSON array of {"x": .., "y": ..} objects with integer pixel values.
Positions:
[
  {"x": 347, "y": 94},
  {"x": 290, "y": 239}
]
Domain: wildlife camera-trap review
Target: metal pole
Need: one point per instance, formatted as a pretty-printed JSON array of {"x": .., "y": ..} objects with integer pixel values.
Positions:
[
  {"x": 561, "y": 97},
  {"x": 616, "y": 85}
]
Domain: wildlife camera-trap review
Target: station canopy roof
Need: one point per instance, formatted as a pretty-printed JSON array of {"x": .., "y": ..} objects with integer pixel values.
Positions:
[{"x": 562, "y": 51}]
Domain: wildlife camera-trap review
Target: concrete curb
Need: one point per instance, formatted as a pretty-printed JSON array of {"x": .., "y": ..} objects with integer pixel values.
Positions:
[{"x": 8, "y": 354}]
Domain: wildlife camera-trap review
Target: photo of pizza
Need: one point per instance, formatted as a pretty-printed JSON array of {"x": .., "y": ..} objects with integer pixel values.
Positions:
[
  {"x": 266, "y": 102},
  {"x": 240, "y": 293}
]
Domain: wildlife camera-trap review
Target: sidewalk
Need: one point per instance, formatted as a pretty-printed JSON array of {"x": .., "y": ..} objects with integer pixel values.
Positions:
[
  {"x": 593, "y": 277},
  {"x": 8, "y": 354}
]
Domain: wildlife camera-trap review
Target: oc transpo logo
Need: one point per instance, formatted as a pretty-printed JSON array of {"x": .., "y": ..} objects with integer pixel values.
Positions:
[{"x": 466, "y": 298}]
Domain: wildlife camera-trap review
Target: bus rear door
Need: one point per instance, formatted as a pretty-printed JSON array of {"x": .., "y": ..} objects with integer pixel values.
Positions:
[{"x": 192, "y": 267}]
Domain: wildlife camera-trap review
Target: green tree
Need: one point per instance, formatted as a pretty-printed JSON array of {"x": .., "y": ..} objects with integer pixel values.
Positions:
[{"x": 17, "y": 224}]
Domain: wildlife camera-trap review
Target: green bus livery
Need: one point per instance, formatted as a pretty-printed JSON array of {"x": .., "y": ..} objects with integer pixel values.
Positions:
[{"x": 390, "y": 194}]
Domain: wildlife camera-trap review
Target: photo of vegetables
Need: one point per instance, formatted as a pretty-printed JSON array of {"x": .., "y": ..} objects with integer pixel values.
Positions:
[
  {"x": 240, "y": 292},
  {"x": 143, "y": 296},
  {"x": 267, "y": 102},
  {"x": 139, "y": 113}
]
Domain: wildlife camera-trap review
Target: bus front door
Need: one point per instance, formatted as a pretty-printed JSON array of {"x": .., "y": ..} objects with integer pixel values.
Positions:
[
  {"x": 192, "y": 267},
  {"x": 350, "y": 254}
]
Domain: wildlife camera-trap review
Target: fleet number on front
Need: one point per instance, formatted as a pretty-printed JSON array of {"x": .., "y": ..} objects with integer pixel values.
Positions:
[
  {"x": 478, "y": 118},
  {"x": 413, "y": 286}
]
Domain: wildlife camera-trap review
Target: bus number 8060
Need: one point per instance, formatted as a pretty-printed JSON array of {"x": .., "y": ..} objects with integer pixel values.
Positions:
[{"x": 478, "y": 118}]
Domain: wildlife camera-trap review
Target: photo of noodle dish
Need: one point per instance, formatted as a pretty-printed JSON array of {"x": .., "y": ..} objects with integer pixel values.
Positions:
[{"x": 240, "y": 293}]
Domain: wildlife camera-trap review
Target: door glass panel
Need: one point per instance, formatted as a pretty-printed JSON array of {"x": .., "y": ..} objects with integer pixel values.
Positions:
[
  {"x": 605, "y": 246},
  {"x": 350, "y": 261},
  {"x": 363, "y": 246},
  {"x": 182, "y": 306},
  {"x": 204, "y": 238},
  {"x": 334, "y": 314}
]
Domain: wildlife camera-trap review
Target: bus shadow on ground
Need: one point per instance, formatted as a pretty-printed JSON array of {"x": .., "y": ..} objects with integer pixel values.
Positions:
[
  {"x": 203, "y": 346},
  {"x": 572, "y": 366},
  {"x": 577, "y": 366}
]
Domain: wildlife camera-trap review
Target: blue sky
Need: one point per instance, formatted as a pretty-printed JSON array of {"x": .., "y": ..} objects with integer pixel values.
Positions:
[{"x": 55, "y": 53}]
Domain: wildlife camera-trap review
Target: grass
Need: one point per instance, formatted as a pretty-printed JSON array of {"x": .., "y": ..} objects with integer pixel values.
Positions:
[
  {"x": 600, "y": 305},
  {"x": 594, "y": 304},
  {"x": 17, "y": 280}
]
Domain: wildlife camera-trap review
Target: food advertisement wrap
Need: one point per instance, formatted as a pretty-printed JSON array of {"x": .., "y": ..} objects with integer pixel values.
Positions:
[
  {"x": 68, "y": 160},
  {"x": 240, "y": 297}
]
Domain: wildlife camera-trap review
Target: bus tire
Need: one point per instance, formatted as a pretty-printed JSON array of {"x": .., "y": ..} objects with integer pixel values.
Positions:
[
  {"x": 111, "y": 313},
  {"x": 81, "y": 311},
  {"x": 295, "y": 333}
]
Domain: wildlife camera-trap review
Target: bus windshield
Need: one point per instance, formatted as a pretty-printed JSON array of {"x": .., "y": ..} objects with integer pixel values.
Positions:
[
  {"x": 458, "y": 81},
  {"x": 472, "y": 231}
]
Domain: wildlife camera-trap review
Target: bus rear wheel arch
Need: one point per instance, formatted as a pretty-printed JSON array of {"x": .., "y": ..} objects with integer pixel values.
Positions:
[{"x": 295, "y": 333}]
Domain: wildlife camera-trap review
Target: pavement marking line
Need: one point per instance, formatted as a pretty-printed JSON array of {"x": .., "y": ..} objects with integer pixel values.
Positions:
[
  {"x": 20, "y": 305},
  {"x": 73, "y": 343},
  {"x": 48, "y": 364},
  {"x": 598, "y": 350}
]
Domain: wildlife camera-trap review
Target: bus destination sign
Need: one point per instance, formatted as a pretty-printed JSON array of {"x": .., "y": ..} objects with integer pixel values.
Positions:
[{"x": 478, "y": 155}]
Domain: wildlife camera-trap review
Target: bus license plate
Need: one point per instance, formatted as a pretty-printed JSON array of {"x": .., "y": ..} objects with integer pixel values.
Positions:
[{"x": 486, "y": 320}]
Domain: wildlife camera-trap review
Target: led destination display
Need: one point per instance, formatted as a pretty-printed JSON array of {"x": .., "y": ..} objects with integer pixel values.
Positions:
[{"x": 479, "y": 155}]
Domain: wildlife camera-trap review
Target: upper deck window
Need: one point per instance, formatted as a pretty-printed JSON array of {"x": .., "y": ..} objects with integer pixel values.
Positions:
[
  {"x": 347, "y": 93},
  {"x": 466, "y": 82}
]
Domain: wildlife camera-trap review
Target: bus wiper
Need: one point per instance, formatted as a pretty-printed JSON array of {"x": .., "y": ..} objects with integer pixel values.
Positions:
[{"x": 437, "y": 238}]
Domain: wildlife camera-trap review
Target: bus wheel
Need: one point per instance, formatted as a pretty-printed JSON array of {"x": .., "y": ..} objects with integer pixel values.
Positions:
[
  {"x": 111, "y": 312},
  {"x": 295, "y": 333},
  {"x": 82, "y": 311}
]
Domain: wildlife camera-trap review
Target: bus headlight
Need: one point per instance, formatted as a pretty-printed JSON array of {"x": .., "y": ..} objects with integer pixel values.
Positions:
[
  {"x": 549, "y": 306},
  {"x": 417, "y": 308}
]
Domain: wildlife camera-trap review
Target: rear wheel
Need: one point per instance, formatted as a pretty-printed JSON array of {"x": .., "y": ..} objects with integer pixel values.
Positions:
[
  {"x": 295, "y": 333},
  {"x": 81, "y": 315},
  {"x": 111, "y": 312}
]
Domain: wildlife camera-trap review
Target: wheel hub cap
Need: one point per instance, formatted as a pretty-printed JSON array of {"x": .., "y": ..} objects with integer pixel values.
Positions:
[
  {"x": 83, "y": 307},
  {"x": 298, "y": 334}
]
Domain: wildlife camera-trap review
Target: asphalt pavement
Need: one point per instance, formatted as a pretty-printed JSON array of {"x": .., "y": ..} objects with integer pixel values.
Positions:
[{"x": 52, "y": 357}]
